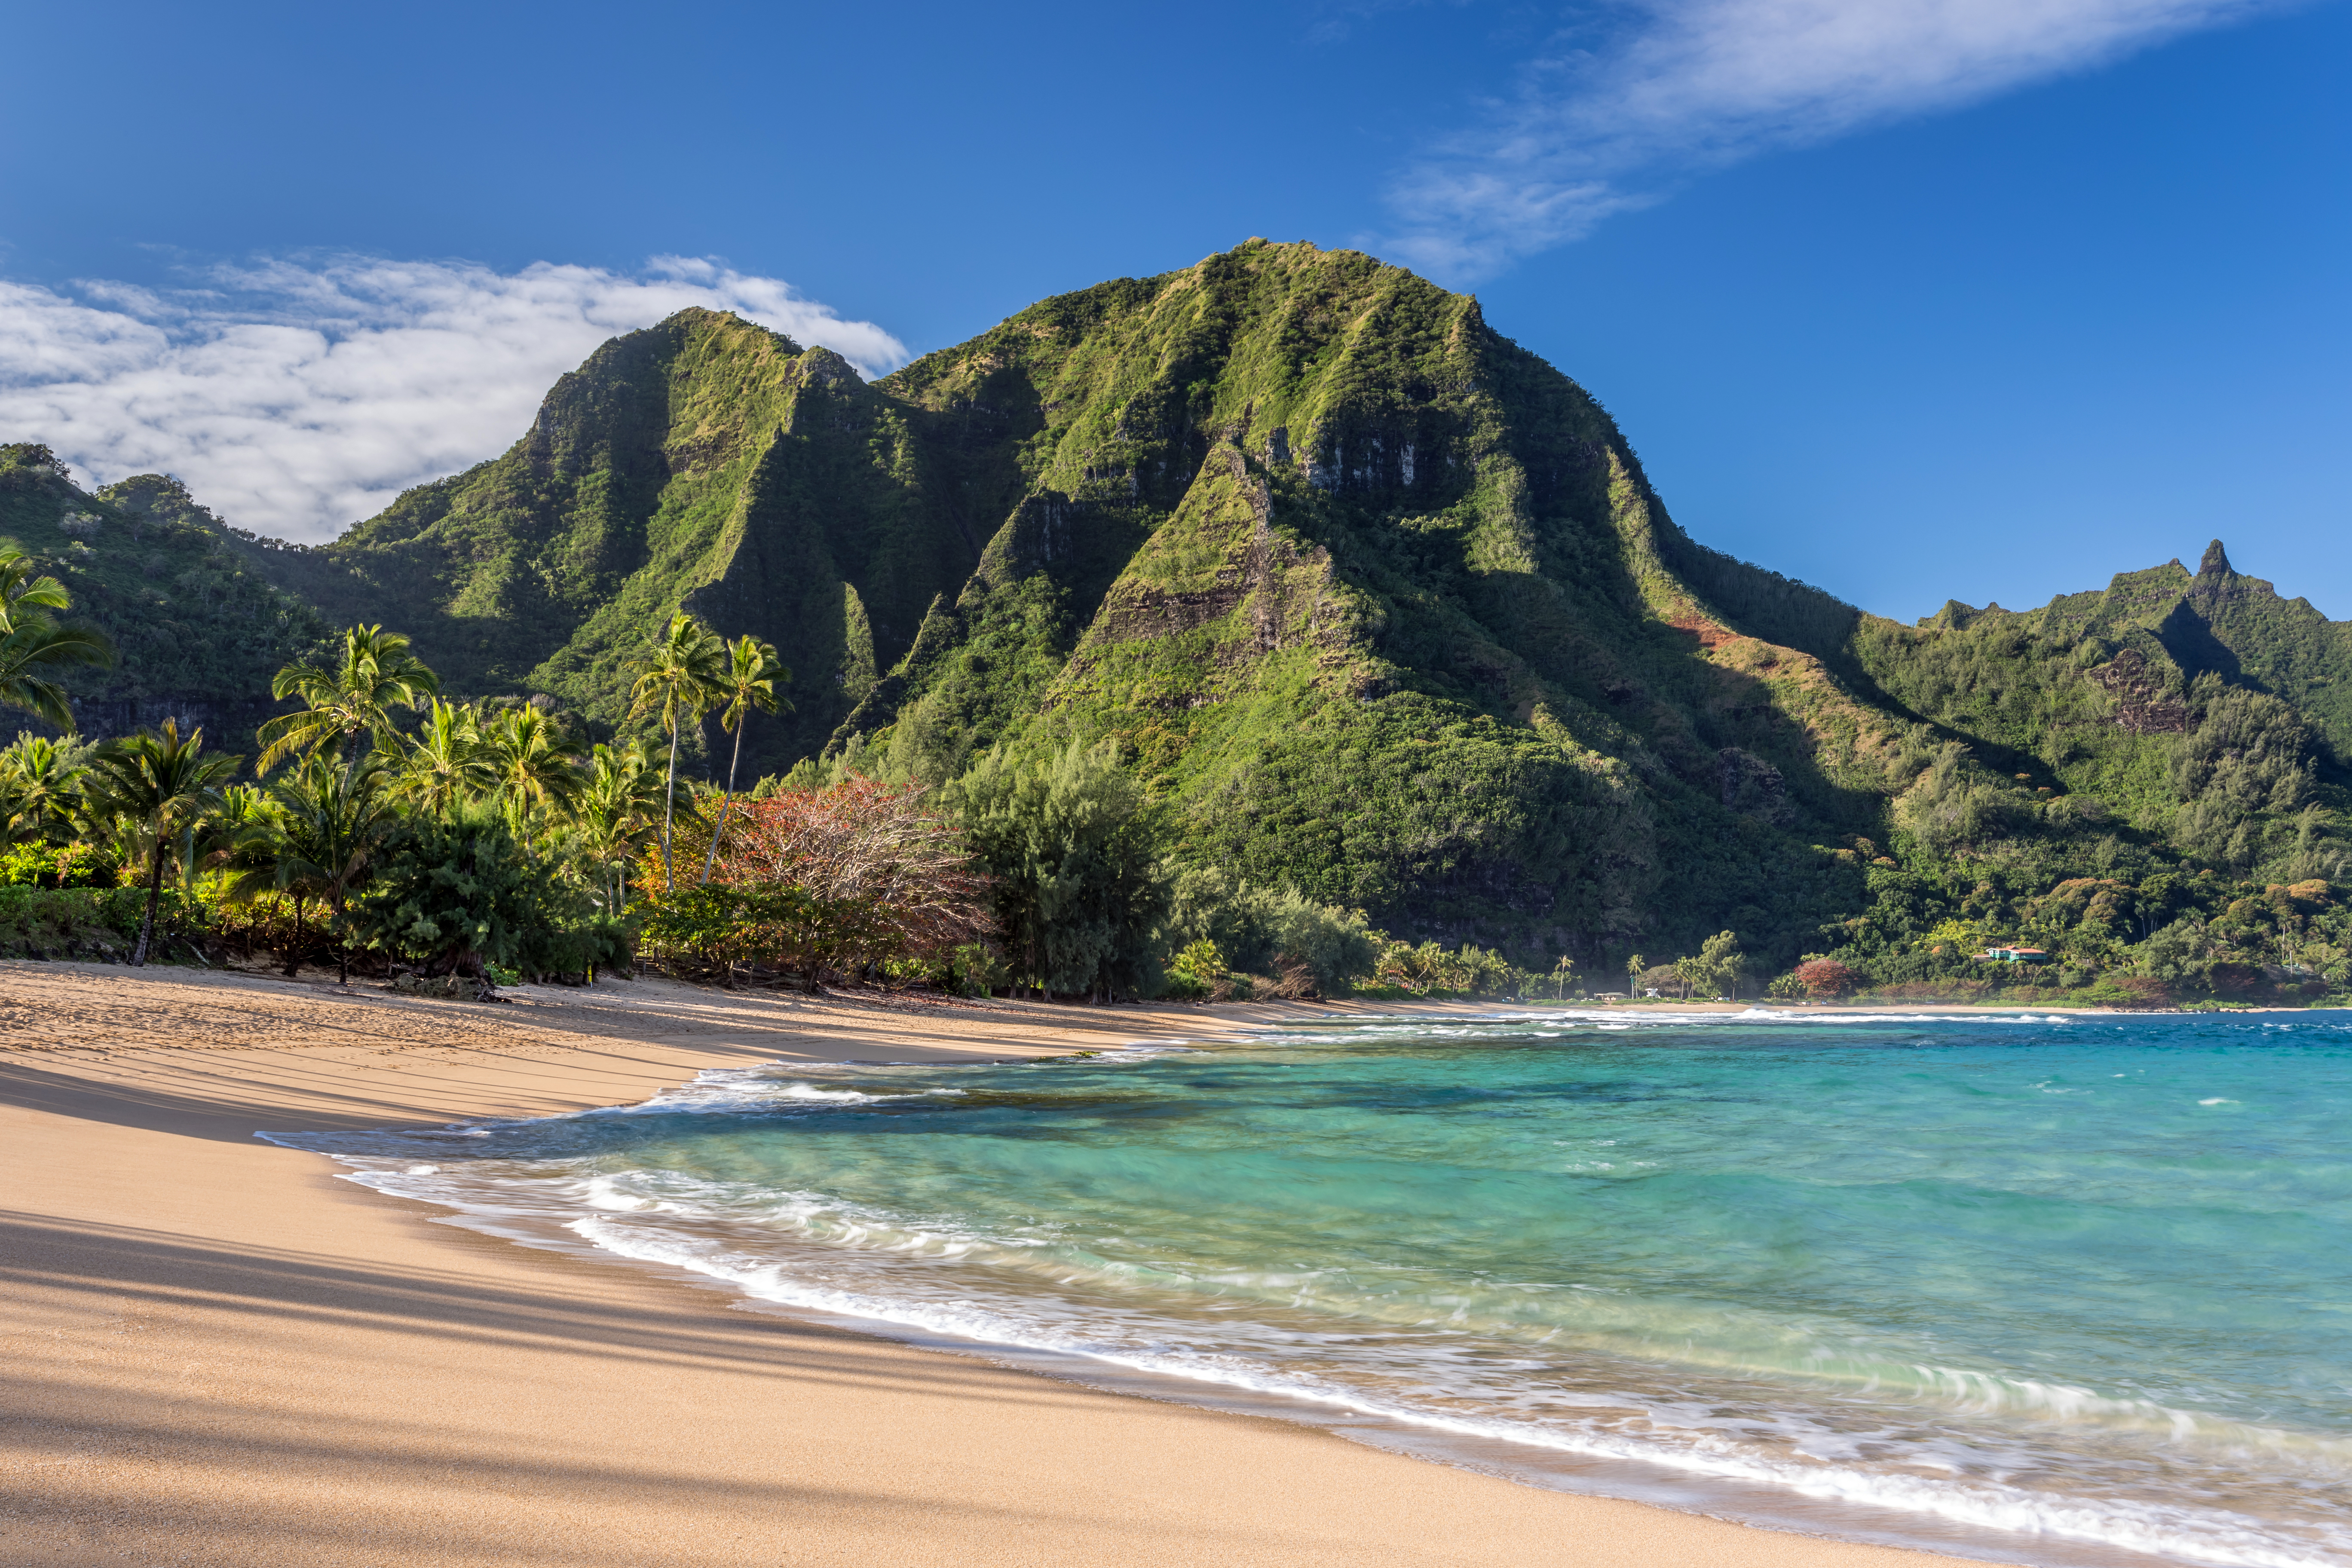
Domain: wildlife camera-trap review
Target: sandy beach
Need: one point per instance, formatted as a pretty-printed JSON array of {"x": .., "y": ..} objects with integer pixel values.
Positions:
[{"x": 216, "y": 1351}]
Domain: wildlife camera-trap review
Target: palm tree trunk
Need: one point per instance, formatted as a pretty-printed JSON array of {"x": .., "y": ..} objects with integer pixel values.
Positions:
[
  {"x": 154, "y": 896},
  {"x": 294, "y": 940},
  {"x": 343, "y": 949},
  {"x": 727, "y": 801},
  {"x": 670, "y": 805}
]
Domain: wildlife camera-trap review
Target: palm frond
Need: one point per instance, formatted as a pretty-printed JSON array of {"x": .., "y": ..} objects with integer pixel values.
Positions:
[{"x": 45, "y": 700}]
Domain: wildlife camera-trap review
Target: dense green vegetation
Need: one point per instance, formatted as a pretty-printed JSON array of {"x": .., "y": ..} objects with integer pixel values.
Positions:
[
  {"x": 2147, "y": 779},
  {"x": 466, "y": 844},
  {"x": 161, "y": 579},
  {"x": 1230, "y": 618}
]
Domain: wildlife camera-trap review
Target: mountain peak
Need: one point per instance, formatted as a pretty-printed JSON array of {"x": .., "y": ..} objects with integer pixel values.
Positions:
[
  {"x": 821, "y": 364},
  {"x": 1376, "y": 604}
]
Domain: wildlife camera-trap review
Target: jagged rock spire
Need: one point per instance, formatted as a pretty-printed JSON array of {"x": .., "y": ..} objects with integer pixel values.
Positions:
[{"x": 2216, "y": 563}]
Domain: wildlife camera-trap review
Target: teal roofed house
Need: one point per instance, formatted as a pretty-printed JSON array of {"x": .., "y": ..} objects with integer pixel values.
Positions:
[{"x": 2015, "y": 954}]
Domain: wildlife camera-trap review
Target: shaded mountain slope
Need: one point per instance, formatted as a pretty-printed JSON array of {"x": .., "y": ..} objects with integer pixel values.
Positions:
[
  {"x": 198, "y": 630},
  {"x": 706, "y": 463}
]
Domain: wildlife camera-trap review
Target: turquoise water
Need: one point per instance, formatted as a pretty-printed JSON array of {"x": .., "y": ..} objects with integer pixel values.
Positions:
[{"x": 2043, "y": 1286}]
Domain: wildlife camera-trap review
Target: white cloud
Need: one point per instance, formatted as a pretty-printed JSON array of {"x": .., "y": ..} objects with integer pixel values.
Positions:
[
  {"x": 296, "y": 397},
  {"x": 1604, "y": 122}
]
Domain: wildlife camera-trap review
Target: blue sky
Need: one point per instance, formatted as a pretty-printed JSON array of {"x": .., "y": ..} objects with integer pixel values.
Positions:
[{"x": 1956, "y": 297}]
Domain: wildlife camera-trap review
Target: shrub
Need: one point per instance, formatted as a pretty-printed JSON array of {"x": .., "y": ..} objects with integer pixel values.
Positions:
[
  {"x": 1077, "y": 891},
  {"x": 59, "y": 865},
  {"x": 2133, "y": 993},
  {"x": 2234, "y": 980},
  {"x": 723, "y": 927},
  {"x": 1195, "y": 972},
  {"x": 1429, "y": 970},
  {"x": 1917, "y": 991},
  {"x": 582, "y": 945},
  {"x": 1328, "y": 945},
  {"x": 88, "y": 922},
  {"x": 1271, "y": 929},
  {"x": 452, "y": 895}
]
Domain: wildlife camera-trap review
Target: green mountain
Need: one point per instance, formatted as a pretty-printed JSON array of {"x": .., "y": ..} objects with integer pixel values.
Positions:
[
  {"x": 1375, "y": 601},
  {"x": 198, "y": 629},
  {"x": 705, "y": 462},
  {"x": 2146, "y": 638}
]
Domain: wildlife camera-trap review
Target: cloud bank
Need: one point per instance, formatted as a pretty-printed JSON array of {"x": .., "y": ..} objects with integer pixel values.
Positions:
[
  {"x": 296, "y": 397},
  {"x": 1609, "y": 116}
]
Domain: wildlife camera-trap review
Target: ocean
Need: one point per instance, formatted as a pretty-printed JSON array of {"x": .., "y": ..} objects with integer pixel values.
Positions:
[{"x": 2048, "y": 1290}]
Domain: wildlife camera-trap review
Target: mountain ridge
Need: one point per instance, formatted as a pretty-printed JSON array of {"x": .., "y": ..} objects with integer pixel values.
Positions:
[{"x": 1376, "y": 603}]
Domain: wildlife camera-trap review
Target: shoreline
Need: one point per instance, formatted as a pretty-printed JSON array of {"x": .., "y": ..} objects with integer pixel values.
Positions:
[
  {"x": 1883, "y": 1009},
  {"x": 220, "y": 1351}
]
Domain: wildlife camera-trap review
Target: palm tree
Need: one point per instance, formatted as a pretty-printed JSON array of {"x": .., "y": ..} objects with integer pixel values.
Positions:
[
  {"x": 250, "y": 866},
  {"x": 211, "y": 840},
  {"x": 18, "y": 815},
  {"x": 331, "y": 815},
  {"x": 376, "y": 674},
  {"x": 447, "y": 764},
  {"x": 616, "y": 807},
  {"x": 678, "y": 673},
  {"x": 526, "y": 763},
  {"x": 31, "y": 640},
  {"x": 159, "y": 782},
  {"x": 40, "y": 793},
  {"x": 749, "y": 681}
]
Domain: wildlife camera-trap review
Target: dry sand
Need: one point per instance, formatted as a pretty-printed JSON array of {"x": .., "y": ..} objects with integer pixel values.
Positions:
[{"x": 215, "y": 1352}]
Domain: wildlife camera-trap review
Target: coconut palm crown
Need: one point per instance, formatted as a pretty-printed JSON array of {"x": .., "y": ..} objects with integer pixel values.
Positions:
[
  {"x": 445, "y": 765},
  {"x": 376, "y": 674},
  {"x": 677, "y": 676},
  {"x": 527, "y": 762},
  {"x": 615, "y": 809},
  {"x": 750, "y": 680},
  {"x": 329, "y": 816},
  {"x": 160, "y": 782}
]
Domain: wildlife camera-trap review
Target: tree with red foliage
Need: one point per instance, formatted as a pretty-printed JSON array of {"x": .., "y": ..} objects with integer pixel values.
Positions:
[
  {"x": 1827, "y": 977},
  {"x": 830, "y": 881}
]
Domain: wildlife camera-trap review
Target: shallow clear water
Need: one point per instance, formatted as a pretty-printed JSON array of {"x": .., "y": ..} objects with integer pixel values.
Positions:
[{"x": 2043, "y": 1286}]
